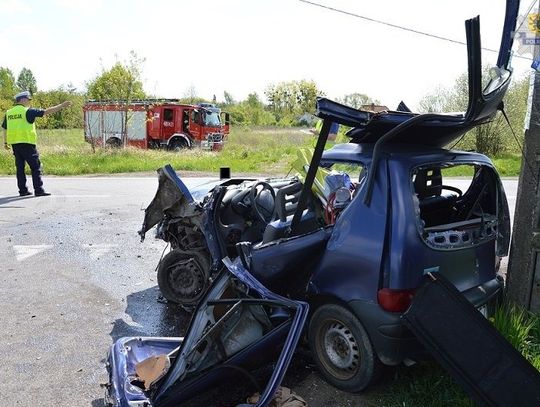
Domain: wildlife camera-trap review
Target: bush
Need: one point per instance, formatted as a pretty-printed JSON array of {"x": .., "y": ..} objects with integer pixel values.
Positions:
[
  {"x": 522, "y": 329},
  {"x": 71, "y": 117}
]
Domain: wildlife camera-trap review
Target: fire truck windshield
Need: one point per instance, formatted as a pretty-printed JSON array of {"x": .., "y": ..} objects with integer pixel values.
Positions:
[{"x": 212, "y": 119}]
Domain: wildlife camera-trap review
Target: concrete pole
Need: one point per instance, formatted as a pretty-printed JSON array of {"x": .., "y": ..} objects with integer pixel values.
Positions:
[{"x": 523, "y": 278}]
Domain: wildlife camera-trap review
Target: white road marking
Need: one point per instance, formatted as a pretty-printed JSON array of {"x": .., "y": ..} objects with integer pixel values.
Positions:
[
  {"x": 23, "y": 252},
  {"x": 99, "y": 250},
  {"x": 81, "y": 196}
]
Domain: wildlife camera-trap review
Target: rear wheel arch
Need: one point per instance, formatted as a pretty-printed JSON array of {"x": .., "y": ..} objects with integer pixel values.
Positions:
[
  {"x": 179, "y": 141},
  {"x": 318, "y": 300}
]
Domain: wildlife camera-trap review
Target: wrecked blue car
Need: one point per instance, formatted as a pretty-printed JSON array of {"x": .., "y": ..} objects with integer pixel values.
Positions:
[{"x": 352, "y": 236}]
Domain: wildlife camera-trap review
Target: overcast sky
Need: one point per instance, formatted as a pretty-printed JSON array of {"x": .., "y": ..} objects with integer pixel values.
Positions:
[{"x": 242, "y": 46}]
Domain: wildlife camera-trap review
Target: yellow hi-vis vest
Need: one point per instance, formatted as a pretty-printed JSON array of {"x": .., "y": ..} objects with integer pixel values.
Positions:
[{"x": 18, "y": 128}]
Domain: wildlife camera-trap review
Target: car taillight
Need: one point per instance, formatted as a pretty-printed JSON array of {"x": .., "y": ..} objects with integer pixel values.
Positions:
[{"x": 394, "y": 300}]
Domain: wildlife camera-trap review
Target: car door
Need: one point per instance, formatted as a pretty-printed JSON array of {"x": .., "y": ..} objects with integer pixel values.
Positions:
[{"x": 239, "y": 326}]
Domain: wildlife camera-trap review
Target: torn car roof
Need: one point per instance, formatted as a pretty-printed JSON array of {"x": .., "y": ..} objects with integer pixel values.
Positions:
[{"x": 437, "y": 130}]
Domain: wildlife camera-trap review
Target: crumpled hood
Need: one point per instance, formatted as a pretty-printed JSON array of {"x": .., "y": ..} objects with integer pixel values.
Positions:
[{"x": 172, "y": 198}]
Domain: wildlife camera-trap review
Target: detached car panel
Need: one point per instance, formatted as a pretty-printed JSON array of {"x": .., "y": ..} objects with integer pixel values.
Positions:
[
  {"x": 464, "y": 342},
  {"x": 238, "y": 327}
]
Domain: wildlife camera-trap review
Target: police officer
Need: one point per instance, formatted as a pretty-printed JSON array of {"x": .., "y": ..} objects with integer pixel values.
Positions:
[{"x": 20, "y": 133}]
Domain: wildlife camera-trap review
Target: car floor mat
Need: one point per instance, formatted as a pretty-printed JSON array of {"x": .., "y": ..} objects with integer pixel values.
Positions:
[{"x": 468, "y": 346}]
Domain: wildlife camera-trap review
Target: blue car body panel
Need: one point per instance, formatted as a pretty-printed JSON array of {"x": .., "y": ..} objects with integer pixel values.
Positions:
[
  {"x": 350, "y": 266},
  {"x": 176, "y": 387},
  {"x": 364, "y": 243},
  {"x": 123, "y": 356}
]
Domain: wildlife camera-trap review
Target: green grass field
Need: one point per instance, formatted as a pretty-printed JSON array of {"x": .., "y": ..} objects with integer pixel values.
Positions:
[
  {"x": 248, "y": 150},
  {"x": 264, "y": 151}
]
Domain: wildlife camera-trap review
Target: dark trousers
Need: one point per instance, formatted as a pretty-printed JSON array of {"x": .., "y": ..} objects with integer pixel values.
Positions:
[{"x": 27, "y": 153}]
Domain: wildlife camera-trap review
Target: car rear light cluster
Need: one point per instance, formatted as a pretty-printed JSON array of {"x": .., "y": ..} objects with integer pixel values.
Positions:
[{"x": 394, "y": 300}]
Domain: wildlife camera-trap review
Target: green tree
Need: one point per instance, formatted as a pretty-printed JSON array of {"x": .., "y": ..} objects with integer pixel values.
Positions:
[
  {"x": 254, "y": 101},
  {"x": 122, "y": 83},
  {"x": 27, "y": 81},
  {"x": 492, "y": 138},
  {"x": 288, "y": 100},
  {"x": 435, "y": 101},
  {"x": 71, "y": 117},
  {"x": 251, "y": 111},
  {"x": 7, "y": 84},
  {"x": 229, "y": 100},
  {"x": 515, "y": 105},
  {"x": 357, "y": 100},
  {"x": 190, "y": 96}
]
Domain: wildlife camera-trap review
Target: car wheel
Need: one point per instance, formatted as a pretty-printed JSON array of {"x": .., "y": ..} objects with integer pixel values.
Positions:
[
  {"x": 183, "y": 277},
  {"x": 342, "y": 349},
  {"x": 178, "y": 145}
]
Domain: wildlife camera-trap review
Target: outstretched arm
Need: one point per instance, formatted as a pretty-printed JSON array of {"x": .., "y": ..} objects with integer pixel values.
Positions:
[{"x": 57, "y": 108}]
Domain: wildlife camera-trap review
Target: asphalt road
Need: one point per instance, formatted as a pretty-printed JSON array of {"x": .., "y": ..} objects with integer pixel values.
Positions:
[{"x": 75, "y": 277}]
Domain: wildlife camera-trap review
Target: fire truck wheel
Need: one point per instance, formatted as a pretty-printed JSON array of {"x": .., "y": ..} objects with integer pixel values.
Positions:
[
  {"x": 113, "y": 142},
  {"x": 178, "y": 144},
  {"x": 183, "y": 276}
]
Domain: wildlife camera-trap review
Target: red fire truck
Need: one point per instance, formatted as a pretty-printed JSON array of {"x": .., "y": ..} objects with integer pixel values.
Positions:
[{"x": 155, "y": 124}]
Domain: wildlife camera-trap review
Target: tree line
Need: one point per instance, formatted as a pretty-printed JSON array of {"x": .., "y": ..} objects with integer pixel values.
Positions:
[
  {"x": 285, "y": 104},
  {"x": 494, "y": 138}
]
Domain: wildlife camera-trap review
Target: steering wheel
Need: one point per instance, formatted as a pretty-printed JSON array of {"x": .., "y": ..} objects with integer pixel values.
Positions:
[
  {"x": 453, "y": 189},
  {"x": 262, "y": 208}
]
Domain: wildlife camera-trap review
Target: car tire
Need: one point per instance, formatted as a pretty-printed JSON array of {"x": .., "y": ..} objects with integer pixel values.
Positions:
[
  {"x": 183, "y": 276},
  {"x": 342, "y": 349}
]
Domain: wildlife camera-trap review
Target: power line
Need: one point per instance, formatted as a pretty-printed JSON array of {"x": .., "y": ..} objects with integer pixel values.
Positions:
[{"x": 400, "y": 27}]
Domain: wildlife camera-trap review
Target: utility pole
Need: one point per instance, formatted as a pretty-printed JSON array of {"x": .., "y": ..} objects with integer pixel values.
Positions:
[{"x": 523, "y": 278}]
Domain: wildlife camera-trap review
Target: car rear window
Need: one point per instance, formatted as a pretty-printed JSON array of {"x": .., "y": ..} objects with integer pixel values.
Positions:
[{"x": 455, "y": 211}]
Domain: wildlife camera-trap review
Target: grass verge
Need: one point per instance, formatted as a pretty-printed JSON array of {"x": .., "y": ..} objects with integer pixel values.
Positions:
[
  {"x": 248, "y": 150},
  {"x": 265, "y": 151}
]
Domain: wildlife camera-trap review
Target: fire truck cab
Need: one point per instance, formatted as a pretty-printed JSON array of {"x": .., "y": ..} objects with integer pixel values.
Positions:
[{"x": 155, "y": 124}]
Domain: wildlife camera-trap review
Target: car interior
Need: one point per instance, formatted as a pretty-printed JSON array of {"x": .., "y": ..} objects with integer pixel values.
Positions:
[{"x": 450, "y": 217}]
